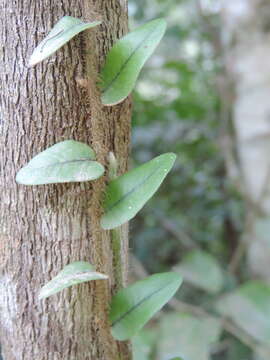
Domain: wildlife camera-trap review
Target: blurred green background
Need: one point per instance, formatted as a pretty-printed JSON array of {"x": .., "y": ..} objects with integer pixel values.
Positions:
[{"x": 196, "y": 221}]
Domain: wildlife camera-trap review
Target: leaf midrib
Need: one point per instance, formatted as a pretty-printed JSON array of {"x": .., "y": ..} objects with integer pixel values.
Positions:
[
  {"x": 127, "y": 61},
  {"x": 134, "y": 307},
  {"x": 133, "y": 189},
  {"x": 59, "y": 163}
]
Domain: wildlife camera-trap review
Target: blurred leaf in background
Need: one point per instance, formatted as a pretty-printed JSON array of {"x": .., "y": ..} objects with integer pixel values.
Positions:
[
  {"x": 202, "y": 270},
  {"x": 177, "y": 108},
  {"x": 196, "y": 223},
  {"x": 143, "y": 344},
  {"x": 249, "y": 307},
  {"x": 187, "y": 336}
]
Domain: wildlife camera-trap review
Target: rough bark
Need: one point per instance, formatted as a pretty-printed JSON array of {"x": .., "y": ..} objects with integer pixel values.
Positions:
[
  {"x": 45, "y": 227},
  {"x": 246, "y": 36}
]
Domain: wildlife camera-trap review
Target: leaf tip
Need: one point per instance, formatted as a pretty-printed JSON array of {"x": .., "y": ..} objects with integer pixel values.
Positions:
[{"x": 172, "y": 156}]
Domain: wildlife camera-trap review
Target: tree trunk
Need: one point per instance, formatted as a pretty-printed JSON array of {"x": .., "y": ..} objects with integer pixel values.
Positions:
[
  {"x": 246, "y": 35},
  {"x": 46, "y": 227}
]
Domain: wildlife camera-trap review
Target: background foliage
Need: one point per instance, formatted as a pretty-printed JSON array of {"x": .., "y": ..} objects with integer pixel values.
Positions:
[{"x": 194, "y": 224}]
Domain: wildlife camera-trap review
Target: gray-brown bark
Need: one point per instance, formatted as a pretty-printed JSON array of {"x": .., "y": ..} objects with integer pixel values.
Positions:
[{"x": 45, "y": 227}]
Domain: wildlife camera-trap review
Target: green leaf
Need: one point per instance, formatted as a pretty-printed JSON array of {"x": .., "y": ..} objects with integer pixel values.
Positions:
[
  {"x": 133, "y": 306},
  {"x": 67, "y": 161},
  {"x": 187, "y": 336},
  {"x": 143, "y": 344},
  {"x": 127, "y": 194},
  {"x": 202, "y": 270},
  {"x": 249, "y": 308},
  {"x": 64, "y": 30},
  {"x": 72, "y": 274},
  {"x": 126, "y": 59}
]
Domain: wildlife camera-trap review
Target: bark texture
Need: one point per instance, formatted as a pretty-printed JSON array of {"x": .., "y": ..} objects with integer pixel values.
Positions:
[
  {"x": 45, "y": 227},
  {"x": 246, "y": 36}
]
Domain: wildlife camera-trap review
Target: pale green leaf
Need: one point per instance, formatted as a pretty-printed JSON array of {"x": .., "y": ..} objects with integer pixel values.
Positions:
[
  {"x": 249, "y": 307},
  {"x": 262, "y": 352},
  {"x": 72, "y": 274},
  {"x": 143, "y": 344},
  {"x": 67, "y": 161},
  {"x": 64, "y": 30},
  {"x": 133, "y": 306},
  {"x": 187, "y": 336},
  {"x": 127, "y": 194},
  {"x": 202, "y": 270},
  {"x": 126, "y": 59}
]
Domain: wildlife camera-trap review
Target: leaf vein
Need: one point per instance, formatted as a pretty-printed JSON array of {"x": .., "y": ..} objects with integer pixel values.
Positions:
[
  {"x": 133, "y": 189},
  {"x": 59, "y": 163},
  {"x": 138, "y": 304},
  {"x": 127, "y": 61}
]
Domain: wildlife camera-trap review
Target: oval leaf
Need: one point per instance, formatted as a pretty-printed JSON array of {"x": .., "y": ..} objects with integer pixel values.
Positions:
[
  {"x": 72, "y": 274},
  {"x": 67, "y": 161},
  {"x": 133, "y": 306},
  {"x": 64, "y": 30},
  {"x": 187, "y": 336},
  {"x": 202, "y": 270},
  {"x": 127, "y": 194},
  {"x": 126, "y": 59},
  {"x": 249, "y": 307}
]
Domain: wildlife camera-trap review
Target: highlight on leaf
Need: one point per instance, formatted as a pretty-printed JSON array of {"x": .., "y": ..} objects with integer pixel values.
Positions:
[
  {"x": 126, "y": 59},
  {"x": 72, "y": 274},
  {"x": 64, "y": 30},
  {"x": 128, "y": 193},
  {"x": 67, "y": 161},
  {"x": 133, "y": 306}
]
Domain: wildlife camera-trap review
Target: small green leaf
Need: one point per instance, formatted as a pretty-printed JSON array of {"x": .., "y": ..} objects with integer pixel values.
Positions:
[
  {"x": 126, "y": 59},
  {"x": 249, "y": 307},
  {"x": 133, "y": 306},
  {"x": 64, "y": 30},
  {"x": 202, "y": 270},
  {"x": 67, "y": 161},
  {"x": 72, "y": 274},
  {"x": 128, "y": 193}
]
